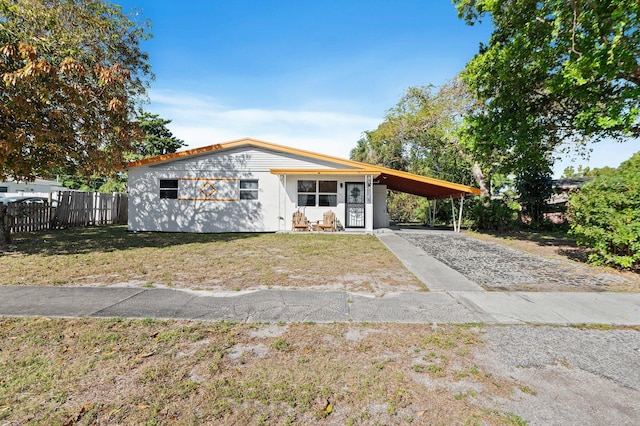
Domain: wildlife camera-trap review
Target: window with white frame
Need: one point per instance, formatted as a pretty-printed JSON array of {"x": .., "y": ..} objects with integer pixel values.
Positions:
[
  {"x": 249, "y": 189},
  {"x": 320, "y": 193},
  {"x": 169, "y": 188}
]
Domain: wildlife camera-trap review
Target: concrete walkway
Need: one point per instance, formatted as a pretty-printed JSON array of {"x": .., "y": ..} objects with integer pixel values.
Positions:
[
  {"x": 300, "y": 306},
  {"x": 453, "y": 299}
]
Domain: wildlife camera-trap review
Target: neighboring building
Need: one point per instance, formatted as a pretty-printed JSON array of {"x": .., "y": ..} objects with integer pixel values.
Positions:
[
  {"x": 39, "y": 185},
  {"x": 253, "y": 186},
  {"x": 562, "y": 187},
  {"x": 556, "y": 210}
]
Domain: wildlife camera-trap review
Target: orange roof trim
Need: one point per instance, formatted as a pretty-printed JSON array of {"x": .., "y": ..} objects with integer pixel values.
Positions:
[
  {"x": 394, "y": 179},
  {"x": 237, "y": 143}
]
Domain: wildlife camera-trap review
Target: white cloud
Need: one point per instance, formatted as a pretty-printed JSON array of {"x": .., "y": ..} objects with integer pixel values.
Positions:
[{"x": 201, "y": 121}]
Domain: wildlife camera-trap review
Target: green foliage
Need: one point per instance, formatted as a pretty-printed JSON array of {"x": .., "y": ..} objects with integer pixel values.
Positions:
[
  {"x": 553, "y": 71},
  {"x": 571, "y": 172},
  {"x": 422, "y": 134},
  {"x": 158, "y": 139},
  {"x": 114, "y": 184},
  {"x": 493, "y": 215},
  {"x": 72, "y": 73},
  {"x": 402, "y": 207},
  {"x": 605, "y": 215},
  {"x": 632, "y": 164}
]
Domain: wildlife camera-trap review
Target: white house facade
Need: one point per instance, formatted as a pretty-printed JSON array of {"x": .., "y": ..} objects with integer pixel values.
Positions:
[
  {"x": 255, "y": 186},
  {"x": 37, "y": 186}
]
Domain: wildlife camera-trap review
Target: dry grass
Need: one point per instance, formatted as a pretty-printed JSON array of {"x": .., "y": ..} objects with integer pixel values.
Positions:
[
  {"x": 87, "y": 371},
  {"x": 112, "y": 256}
]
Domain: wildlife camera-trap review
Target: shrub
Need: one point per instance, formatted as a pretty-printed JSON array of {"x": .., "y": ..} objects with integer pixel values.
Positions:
[
  {"x": 605, "y": 215},
  {"x": 493, "y": 215}
]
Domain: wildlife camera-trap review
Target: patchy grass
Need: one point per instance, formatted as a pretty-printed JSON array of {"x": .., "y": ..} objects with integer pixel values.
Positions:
[
  {"x": 233, "y": 262},
  {"x": 88, "y": 371},
  {"x": 555, "y": 245}
]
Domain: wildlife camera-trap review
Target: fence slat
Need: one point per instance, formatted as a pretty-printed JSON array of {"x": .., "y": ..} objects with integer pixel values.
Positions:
[
  {"x": 74, "y": 209},
  {"x": 85, "y": 209}
]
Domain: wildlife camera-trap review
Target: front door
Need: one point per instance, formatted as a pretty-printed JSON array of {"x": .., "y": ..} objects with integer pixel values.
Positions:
[{"x": 354, "y": 205}]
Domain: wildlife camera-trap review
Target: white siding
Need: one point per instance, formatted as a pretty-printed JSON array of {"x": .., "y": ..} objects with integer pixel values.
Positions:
[
  {"x": 315, "y": 213},
  {"x": 380, "y": 216},
  {"x": 271, "y": 212},
  {"x": 247, "y": 159}
]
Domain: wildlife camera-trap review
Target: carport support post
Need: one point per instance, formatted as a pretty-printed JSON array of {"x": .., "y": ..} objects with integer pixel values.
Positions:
[
  {"x": 460, "y": 213},
  {"x": 453, "y": 215},
  {"x": 456, "y": 225}
]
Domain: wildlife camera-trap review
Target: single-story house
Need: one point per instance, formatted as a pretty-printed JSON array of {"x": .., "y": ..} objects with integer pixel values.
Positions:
[
  {"x": 249, "y": 185},
  {"x": 38, "y": 185}
]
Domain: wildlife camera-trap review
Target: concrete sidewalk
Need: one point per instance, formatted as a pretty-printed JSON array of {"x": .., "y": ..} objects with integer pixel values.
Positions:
[{"x": 299, "y": 306}]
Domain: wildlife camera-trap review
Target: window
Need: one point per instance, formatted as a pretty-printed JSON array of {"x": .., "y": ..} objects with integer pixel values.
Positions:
[
  {"x": 248, "y": 189},
  {"x": 325, "y": 192},
  {"x": 169, "y": 188},
  {"x": 4, "y": 189},
  {"x": 306, "y": 193}
]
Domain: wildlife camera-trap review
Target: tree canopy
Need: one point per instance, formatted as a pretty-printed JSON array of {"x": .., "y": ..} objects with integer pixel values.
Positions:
[
  {"x": 421, "y": 134},
  {"x": 605, "y": 215},
  {"x": 158, "y": 139},
  {"x": 554, "y": 71},
  {"x": 71, "y": 74}
]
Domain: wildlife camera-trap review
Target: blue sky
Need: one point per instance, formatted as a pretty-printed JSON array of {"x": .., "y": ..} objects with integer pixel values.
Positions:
[{"x": 308, "y": 74}]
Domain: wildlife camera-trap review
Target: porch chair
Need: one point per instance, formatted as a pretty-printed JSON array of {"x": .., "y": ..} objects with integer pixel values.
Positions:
[
  {"x": 328, "y": 222},
  {"x": 300, "y": 222}
]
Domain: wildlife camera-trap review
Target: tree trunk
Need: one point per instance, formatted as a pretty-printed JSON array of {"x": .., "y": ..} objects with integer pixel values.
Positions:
[
  {"x": 483, "y": 184},
  {"x": 5, "y": 225}
]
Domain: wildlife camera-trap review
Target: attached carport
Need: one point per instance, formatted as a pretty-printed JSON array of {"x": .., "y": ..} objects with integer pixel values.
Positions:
[{"x": 430, "y": 188}]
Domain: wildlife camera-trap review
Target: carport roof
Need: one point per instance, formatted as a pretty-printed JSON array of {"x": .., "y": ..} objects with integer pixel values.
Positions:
[{"x": 394, "y": 179}]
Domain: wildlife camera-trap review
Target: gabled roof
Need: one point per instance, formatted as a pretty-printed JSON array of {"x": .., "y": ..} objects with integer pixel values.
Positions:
[{"x": 394, "y": 179}]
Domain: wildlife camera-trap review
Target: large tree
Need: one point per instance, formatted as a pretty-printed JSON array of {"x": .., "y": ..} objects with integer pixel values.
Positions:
[
  {"x": 158, "y": 139},
  {"x": 423, "y": 134},
  {"x": 554, "y": 72},
  {"x": 72, "y": 72}
]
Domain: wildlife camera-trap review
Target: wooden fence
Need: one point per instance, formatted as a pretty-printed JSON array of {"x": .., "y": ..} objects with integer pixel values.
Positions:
[
  {"x": 90, "y": 208},
  {"x": 69, "y": 209},
  {"x": 29, "y": 217}
]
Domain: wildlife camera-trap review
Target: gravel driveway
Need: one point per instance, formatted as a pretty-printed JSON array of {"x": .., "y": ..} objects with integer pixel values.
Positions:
[{"x": 500, "y": 268}]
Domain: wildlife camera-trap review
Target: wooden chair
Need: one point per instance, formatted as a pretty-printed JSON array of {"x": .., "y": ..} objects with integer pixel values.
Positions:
[
  {"x": 328, "y": 222},
  {"x": 300, "y": 222}
]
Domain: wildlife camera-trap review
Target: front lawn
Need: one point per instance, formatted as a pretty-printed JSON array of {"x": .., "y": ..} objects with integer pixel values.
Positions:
[
  {"x": 106, "y": 256},
  {"x": 147, "y": 372}
]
